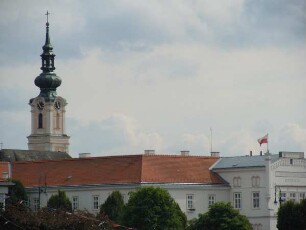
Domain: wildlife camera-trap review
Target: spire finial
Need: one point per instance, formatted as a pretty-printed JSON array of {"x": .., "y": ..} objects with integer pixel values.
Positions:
[{"x": 47, "y": 16}]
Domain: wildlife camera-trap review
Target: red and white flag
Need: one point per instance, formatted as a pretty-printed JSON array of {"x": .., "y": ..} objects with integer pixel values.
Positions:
[{"x": 263, "y": 140}]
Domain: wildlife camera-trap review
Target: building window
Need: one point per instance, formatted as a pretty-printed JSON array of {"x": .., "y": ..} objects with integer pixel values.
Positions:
[
  {"x": 292, "y": 196},
  {"x": 36, "y": 204},
  {"x": 28, "y": 202},
  {"x": 211, "y": 199},
  {"x": 75, "y": 203},
  {"x": 255, "y": 181},
  {"x": 95, "y": 202},
  {"x": 283, "y": 196},
  {"x": 190, "y": 202},
  {"x": 57, "y": 121},
  {"x": 302, "y": 196},
  {"x": 255, "y": 198},
  {"x": 237, "y": 200},
  {"x": 237, "y": 182},
  {"x": 40, "y": 121}
]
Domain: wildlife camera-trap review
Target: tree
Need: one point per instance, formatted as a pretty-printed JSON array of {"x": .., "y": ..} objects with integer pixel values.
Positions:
[
  {"x": 60, "y": 201},
  {"x": 16, "y": 192},
  {"x": 221, "y": 216},
  {"x": 113, "y": 206},
  {"x": 292, "y": 215},
  {"x": 153, "y": 208},
  {"x": 17, "y": 217}
]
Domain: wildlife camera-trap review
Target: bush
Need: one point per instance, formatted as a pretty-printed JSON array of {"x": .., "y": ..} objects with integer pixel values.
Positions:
[
  {"x": 113, "y": 206},
  {"x": 60, "y": 201},
  {"x": 221, "y": 216}
]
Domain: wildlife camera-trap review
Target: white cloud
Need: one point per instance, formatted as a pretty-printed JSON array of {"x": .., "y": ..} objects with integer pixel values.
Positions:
[
  {"x": 115, "y": 135},
  {"x": 175, "y": 67},
  {"x": 292, "y": 135}
]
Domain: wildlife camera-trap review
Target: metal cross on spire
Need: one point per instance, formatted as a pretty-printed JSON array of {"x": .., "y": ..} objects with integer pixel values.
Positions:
[{"x": 47, "y": 16}]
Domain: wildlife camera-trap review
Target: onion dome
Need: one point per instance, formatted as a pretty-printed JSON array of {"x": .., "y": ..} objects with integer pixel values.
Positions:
[{"x": 48, "y": 81}]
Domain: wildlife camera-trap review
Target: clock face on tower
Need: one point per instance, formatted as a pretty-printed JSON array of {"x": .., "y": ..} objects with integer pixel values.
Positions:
[
  {"x": 57, "y": 105},
  {"x": 40, "y": 105}
]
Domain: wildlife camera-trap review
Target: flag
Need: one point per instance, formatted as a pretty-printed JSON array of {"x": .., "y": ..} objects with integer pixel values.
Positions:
[{"x": 263, "y": 140}]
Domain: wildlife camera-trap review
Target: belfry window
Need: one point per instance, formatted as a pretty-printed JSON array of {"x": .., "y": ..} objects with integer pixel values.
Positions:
[
  {"x": 57, "y": 121},
  {"x": 40, "y": 121}
]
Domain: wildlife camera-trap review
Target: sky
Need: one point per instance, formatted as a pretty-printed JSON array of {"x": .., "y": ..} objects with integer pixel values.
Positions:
[{"x": 165, "y": 75}]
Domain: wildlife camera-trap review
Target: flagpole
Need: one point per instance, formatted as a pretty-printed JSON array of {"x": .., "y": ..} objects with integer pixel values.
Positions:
[
  {"x": 268, "y": 143},
  {"x": 210, "y": 140}
]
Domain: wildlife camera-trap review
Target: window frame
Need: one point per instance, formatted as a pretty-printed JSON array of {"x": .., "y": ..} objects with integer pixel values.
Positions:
[
  {"x": 211, "y": 201},
  {"x": 40, "y": 121},
  {"x": 292, "y": 196},
  {"x": 237, "y": 200},
  {"x": 75, "y": 203},
  {"x": 302, "y": 197},
  {"x": 256, "y": 200},
  {"x": 190, "y": 202},
  {"x": 283, "y": 196},
  {"x": 95, "y": 203},
  {"x": 36, "y": 204}
]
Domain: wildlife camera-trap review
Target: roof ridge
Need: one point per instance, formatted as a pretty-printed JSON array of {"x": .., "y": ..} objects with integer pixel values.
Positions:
[{"x": 75, "y": 159}]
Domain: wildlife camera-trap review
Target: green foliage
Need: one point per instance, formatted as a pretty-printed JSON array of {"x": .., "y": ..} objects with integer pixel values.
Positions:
[
  {"x": 113, "y": 206},
  {"x": 60, "y": 201},
  {"x": 19, "y": 217},
  {"x": 221, "y": 216},
  {"x": 16, "y": 192},
  {"x": 292, "y": 215},
  {"x": 153, "y": 208}
]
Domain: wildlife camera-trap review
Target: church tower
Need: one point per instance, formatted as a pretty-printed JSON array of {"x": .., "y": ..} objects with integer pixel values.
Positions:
[{"x": 47, "y": 109}]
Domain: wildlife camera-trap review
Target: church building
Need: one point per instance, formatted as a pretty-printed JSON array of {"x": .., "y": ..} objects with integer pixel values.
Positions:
[
  {"x": 48, "y": 138},
  {"x": 254, "y": 185},
  {"x": 47, "y": 109}
]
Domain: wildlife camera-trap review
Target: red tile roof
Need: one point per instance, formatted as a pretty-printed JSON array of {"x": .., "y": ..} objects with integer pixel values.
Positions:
[{"x": 117, "y": 169}]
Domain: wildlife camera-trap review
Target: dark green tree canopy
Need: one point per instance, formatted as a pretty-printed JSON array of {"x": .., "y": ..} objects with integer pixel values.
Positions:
[
  {"x": 153, "y": 208},
  {"x": 113, "y": 206},
  {"x": 60, "y": 201},
  {"x": 292, "y": 215},
  {"x": 16, "y": 192},
  {"x": 221, "y": 216}
]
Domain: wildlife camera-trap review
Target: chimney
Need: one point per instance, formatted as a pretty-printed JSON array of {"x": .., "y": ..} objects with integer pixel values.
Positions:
[
  {"x": 185, "y": 153},
  {"x": 84, "y": 155},
  {"x": 251, "y": 154},
  {"x": 260, "y": 153},
  {"x": 215, "y": 154},
  {"x": 149, "y": 152}
]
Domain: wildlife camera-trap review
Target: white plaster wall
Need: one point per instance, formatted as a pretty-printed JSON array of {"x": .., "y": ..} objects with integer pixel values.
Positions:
[{"x": 177, "y": 192}]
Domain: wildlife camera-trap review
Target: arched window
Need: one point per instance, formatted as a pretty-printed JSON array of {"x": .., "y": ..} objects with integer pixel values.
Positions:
[
  {"x": 57, "y": 121},
  {"x": 255, "y": 181},
  {"x": 237, "y": 182},
  {"x": 40, "y": 121}
]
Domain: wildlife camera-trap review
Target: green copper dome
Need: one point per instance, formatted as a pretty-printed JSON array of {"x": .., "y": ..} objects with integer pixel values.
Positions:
[{"x": 48, "y": 81}]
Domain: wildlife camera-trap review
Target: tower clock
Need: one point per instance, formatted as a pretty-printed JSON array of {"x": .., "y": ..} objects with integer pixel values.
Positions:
[{"x": 48, "y": 109}]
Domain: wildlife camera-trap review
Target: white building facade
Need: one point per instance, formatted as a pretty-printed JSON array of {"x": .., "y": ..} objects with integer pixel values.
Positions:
[{"x": 253, "y": 185}]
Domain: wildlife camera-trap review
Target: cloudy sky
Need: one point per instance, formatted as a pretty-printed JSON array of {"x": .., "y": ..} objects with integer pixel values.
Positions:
[{"x": 159, "y": 74}]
